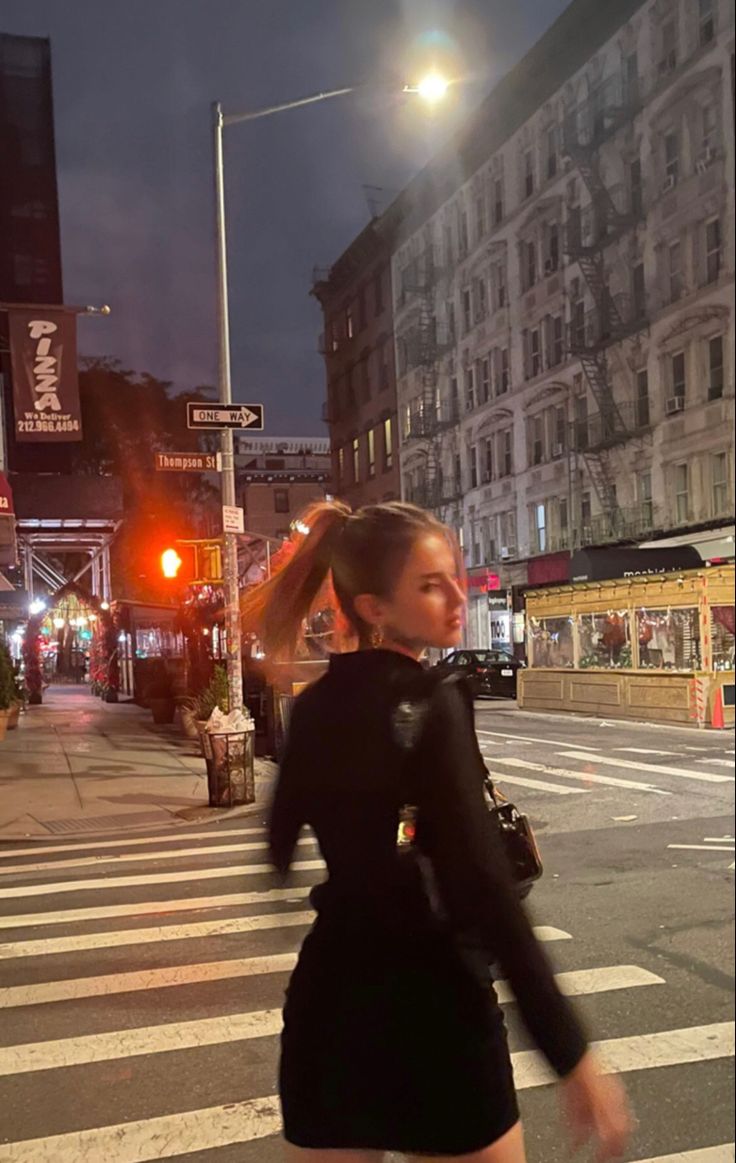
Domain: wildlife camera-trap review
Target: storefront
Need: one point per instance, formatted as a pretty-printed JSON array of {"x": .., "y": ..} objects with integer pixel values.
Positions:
[{"x": 653, "y": 645}]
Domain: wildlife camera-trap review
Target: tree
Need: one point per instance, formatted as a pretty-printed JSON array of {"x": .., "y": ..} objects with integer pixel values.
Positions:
[{"x": 128, "y": 418}]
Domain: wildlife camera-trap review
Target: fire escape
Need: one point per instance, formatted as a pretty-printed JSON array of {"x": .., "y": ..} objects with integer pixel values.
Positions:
[
  {"x": 610, "y": 214},
  {"x": 425, "y": 342}
]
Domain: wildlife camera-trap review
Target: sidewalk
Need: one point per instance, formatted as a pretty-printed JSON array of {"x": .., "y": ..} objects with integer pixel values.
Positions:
[{"x": 76, "y": 765}]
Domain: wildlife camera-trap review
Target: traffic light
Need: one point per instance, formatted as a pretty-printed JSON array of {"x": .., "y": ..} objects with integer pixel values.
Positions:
[{"x": 170, "y": 563}]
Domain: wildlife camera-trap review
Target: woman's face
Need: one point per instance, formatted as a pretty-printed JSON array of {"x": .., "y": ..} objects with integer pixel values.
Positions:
[{"x": 427, "y": 604}]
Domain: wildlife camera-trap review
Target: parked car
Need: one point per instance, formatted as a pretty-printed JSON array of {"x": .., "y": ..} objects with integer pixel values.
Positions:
[{"x": 489, "y": 672}]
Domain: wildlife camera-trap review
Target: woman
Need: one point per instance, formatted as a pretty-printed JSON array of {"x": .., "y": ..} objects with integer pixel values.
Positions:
[{"x": 393, "y": 1038}]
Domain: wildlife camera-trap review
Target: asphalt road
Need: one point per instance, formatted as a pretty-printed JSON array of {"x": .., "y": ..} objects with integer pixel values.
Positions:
[{"x": 142, "y": 978}]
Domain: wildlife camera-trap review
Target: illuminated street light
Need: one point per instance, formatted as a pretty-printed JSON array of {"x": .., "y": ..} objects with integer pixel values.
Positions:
[
  {"x": 37, "y": 606},
  {"x": 431, "y": 88}
]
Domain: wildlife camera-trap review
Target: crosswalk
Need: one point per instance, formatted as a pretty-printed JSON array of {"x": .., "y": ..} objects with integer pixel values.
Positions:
[
  {"x": 141, "y": 1006},
  {"x": 568, "y": 769}
]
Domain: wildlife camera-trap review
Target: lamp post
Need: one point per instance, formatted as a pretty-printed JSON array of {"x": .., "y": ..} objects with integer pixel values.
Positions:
[{"x": 431, "y": 89}]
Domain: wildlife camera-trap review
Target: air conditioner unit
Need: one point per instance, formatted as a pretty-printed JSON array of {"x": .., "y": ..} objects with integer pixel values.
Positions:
[
  {"x": 669, "y": 183},
  {"x": 558, "y": 449},
  {"x": 549, "y": 266},
  {"x": 674, "y": 404},
  {"x": 507, "y": 551}
]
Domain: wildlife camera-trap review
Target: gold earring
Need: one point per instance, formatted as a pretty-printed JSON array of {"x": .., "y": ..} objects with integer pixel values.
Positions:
[{"x": 376, "y": 637}]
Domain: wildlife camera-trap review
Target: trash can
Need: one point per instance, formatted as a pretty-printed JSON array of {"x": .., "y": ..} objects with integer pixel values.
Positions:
[{"x": 230, "y": 769}]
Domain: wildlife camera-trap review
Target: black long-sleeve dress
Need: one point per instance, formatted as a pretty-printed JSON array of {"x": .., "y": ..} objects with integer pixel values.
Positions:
[{"x": 393, "y": 1038}]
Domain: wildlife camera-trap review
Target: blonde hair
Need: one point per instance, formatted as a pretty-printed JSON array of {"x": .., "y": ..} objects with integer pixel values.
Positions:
[{"x": 340, "y": 553}]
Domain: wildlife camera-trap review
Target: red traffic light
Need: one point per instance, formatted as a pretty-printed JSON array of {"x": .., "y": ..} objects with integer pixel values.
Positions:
[{"x": 170, "y": 563}]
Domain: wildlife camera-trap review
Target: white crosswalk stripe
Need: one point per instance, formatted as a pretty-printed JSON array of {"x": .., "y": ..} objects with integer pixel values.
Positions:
[
  {"x": 658, "y": 768},
  {"x": 128, "y": 858},
  {"x": 90, "y": 960},
  {"x": 145, "y": 878},
  {"x": 42, "y": 849},
  {"x": 582, "y": 776}
]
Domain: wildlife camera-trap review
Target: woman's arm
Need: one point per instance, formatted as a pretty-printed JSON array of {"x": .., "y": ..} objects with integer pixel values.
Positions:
[
  {"x": 287, "y": 814},
  {"x": 474, "y": 877}
]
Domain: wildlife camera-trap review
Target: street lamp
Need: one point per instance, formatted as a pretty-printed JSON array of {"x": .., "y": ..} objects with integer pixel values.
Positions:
[{"x": 431, "y": 89}]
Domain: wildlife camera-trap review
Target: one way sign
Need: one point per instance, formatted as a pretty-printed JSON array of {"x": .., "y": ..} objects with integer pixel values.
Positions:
[{"x": 225, "y": 416}]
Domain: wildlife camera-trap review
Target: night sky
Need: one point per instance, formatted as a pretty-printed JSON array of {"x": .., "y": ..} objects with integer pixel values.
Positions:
[{"x": 133, "y": 87}]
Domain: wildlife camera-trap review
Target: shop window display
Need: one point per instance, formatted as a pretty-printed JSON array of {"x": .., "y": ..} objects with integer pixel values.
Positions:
[
  {"x": 605, "y": 640},
  {"x": 722, "y": 636},
  {"x": 551, "y": 642},
  {"x": 669, "y": 639}
]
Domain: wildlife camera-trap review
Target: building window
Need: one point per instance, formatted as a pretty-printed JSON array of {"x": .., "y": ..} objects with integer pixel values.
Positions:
[
  {"x": 712, "y": 250},
  {"x": 362, "y": 316},
  {"x": 388, "y": 445},
  {"x": 334, "y": 336},
  {"x": 560, "y": 420},
  {"x": 674, "y": 260},
  {"x": 585, "y": 510},
  {"x": 507, "y": 461},
  {"x": 480, "y": 216},
  {"x": 681, "y": 493},
  {"x": 635, "y": 188},
  {"x": 473, "y": 465},
  {"x": 551, "y": 151},
  {"x": 552, "y": 261},
  {"x": 709, "y": 132},
  {"x": 537, "y": 439},
  {"x": 715, "y": 367},
  {"x": 340, "y": 467},
  {"x": 671, "y": 159},
  {"x": 556, "y": 351},
  {"x": 378, "y": 293},
  {"x": 540, "y": 528},
  {"x": 678, "y": 375},
  {"x": 562, "y": 519},
  {"x": 467, "y": 311},
  {"x": 668, "y": 59},
  {"x": 485, "y": 380},
  {"x": 481, "y": 299},
  {"x": 706, "y": 22},
  {"x": 528, "y": 174},
  {"x": 356, "y": 461},
  {"x": 469, "y": 389},
  {"x": 578, "y": 323},
  {"x": 488, "y": 460},
  {"x": 530, "y": 265},
  {"x": 498, "y": 274},
  {"x": 349, "y": 322},
  {"x": 638, "y": 291},
  {"x": 497, "y": 201},
  {"x": 642, "y": 398},
  {"x": 371, "y": 453},
  {"x": 281, "y": 500},
  {"x": 719, "y": 481},
  {"x": 503, "y": 385},
  {"x": 581, "y": 422},
  {"x": 464, "y": 233},
  {"x": 535, "y": 352},
  {"x": 644, "y": 496}
]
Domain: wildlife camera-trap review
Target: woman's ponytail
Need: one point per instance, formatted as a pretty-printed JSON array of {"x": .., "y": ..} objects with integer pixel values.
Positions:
[{"x": 276, "y": 609}]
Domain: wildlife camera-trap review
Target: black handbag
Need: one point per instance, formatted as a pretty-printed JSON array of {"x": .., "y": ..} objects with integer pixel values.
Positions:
[{"x": 517, "y": 837}]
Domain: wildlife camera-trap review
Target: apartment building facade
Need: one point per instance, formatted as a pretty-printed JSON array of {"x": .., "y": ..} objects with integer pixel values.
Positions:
[
  {"x": 564, "y": 309},
  {"x": 358, "y": 348}
]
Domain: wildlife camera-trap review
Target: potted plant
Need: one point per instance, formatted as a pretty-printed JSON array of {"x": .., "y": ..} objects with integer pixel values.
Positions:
[
  {"x": 159, "y": 695},
  {"x": 215, "y": 694}
]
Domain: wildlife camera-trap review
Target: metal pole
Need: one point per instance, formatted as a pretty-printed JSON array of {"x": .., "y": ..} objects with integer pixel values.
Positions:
[{"x": 230, "y": 554}]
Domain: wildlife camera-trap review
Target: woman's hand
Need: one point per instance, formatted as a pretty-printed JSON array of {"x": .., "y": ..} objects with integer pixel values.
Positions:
[{"x": 596, "y": 1107}]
